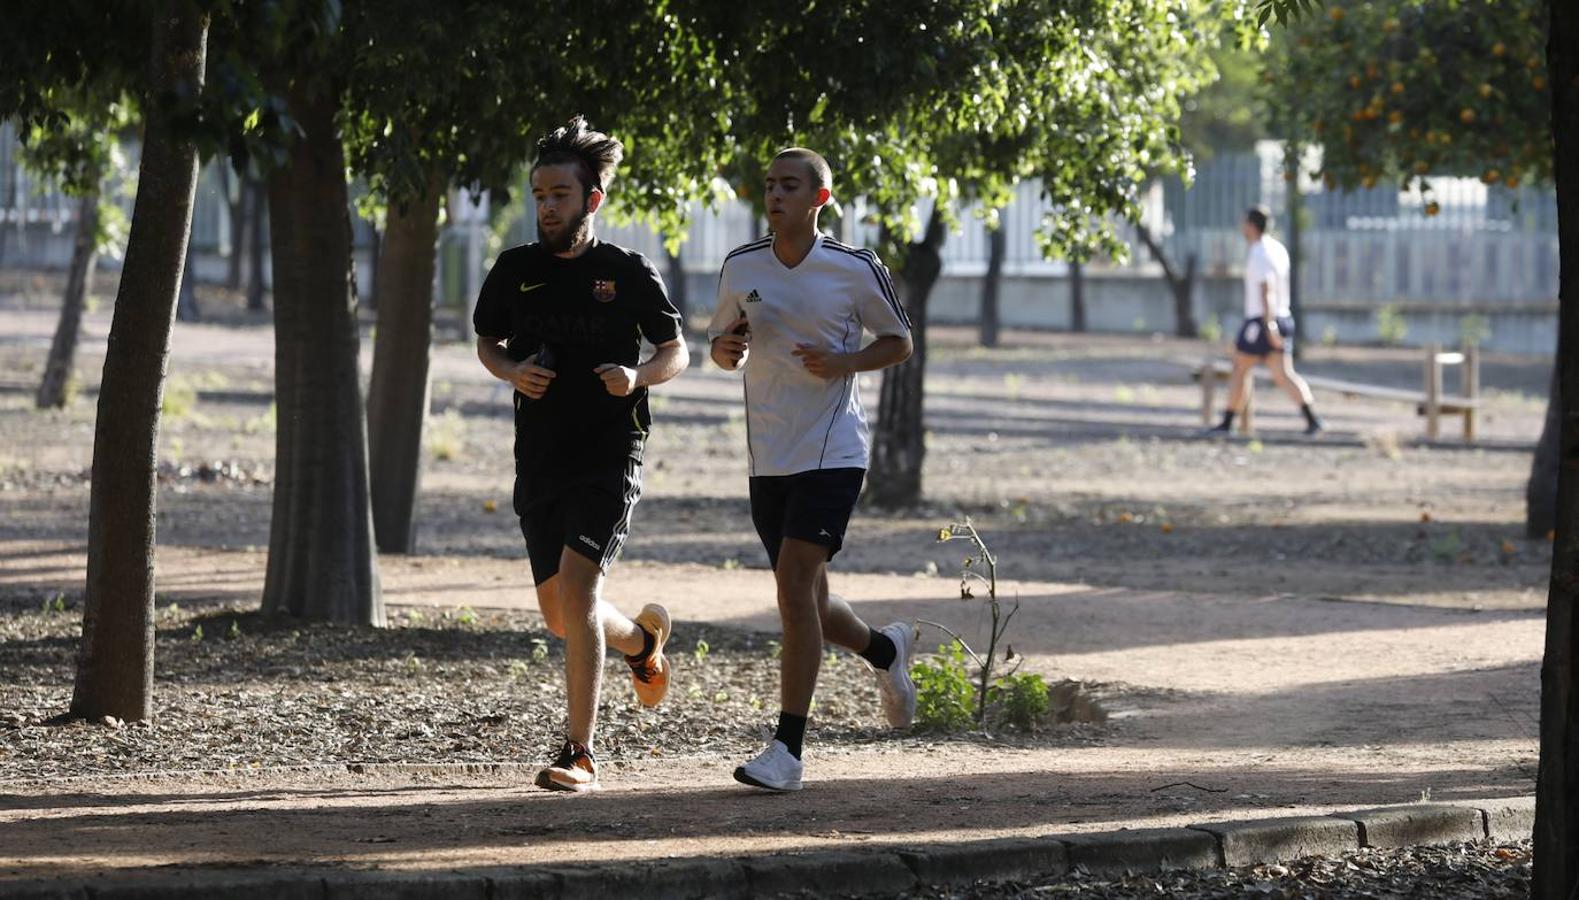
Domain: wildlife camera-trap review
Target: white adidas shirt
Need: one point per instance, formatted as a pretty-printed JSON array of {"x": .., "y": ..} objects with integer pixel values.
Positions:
[{"x": 796, "y": 421}]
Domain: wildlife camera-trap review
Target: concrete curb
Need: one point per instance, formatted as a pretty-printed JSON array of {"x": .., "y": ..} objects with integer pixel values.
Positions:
[{"x": 1206, "y": 845}]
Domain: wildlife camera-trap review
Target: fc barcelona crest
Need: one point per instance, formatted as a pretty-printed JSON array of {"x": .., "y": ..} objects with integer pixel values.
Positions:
[{"x": 603, "y": 291}]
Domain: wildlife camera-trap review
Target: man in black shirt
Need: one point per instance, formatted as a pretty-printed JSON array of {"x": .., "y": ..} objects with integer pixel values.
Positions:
[{"x": 562, "y": 321}]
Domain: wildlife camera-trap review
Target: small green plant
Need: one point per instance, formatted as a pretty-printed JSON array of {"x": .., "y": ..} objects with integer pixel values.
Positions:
[
  {"x": 266, "y": 422},
  {"x": 539, "y": 650},
  {"x": 1391, "y": 329},
  {"x": 197, "y": 635},
  {"x": 1447, "y": 547},
  {"x": 447, "y": 436},
  {"x": 1329, "y": 336},
  {"x": 234, "y": 632},
  {"x": 945, "y": 697},
  {"x": 981, "y": 560},
  {"x": 730, "y": 564},
  {"x": 55, "y": 603},
  {"x": 1013, "y": 383},
  {"x": 180, "y": 398},
  {"x": 519, "y": 669},
  {"x": 1021, "y": 699},
  {"x": 1212, "y": 329},
  {"x": 1473, "y": 330},
  {"x": 701, "y": 650},
  {"x": 466, "y": 616}
]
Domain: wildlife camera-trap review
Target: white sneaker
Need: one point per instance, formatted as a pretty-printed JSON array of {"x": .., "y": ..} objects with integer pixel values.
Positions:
[
  {"x": 774, "y": 769},
  {"x": 893, "y": 683}
]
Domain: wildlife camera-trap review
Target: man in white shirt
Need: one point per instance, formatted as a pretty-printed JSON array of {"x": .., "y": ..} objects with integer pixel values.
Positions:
[
  {"x": 1267, "y": 335},
  {"x": 791, "y": 311}
]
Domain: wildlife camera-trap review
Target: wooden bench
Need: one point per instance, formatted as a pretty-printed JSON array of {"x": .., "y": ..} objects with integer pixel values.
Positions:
[{"x": 1431, "y": 402}]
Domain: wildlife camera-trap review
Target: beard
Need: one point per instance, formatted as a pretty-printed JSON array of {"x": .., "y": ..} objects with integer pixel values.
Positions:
[{"x": 573, "y": 230}]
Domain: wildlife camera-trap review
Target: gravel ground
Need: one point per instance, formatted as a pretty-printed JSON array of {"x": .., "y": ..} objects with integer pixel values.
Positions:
[
  {"x": 238, "y": 690},
  {"x": 1486, "y": 870}
]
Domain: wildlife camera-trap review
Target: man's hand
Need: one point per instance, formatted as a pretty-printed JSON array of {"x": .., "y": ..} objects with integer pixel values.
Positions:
[
  {"x": 823, "y": 363},
  {"x": 619, "y": 380},
  {"x": 1273, "y": 336},
  {"x": 731, "y": 348},
  {"x": 530, "y": 379}
]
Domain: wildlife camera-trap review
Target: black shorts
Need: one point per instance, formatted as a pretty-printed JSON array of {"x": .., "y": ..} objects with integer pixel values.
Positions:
[
  {"x": 810, "y": 506},
  {"x": 589, "y": 512},
  {"x": 1253, "y": 340}
]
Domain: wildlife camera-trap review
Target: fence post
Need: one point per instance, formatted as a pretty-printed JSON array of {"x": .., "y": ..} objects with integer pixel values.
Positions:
[{"x": 1433, "y": 391}]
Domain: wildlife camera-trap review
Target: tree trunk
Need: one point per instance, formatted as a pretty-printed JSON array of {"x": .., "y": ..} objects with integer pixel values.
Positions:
[
  {"x": 321, "y": 562},
  {"x": 1295, "y": 256},
  {"x": 186, "y": 303},
  {"x": 898, "y": 442},
  {"x": 257, "y": 231},
  {"x": 1181, "y": 286},
  {"x": 1556, "y": 874},
  {"x": 397, "y": 397},
  {"x": 997, "y": 247},
  {"x": 677, "y": 287},
  {"x": 236, "y": 197},
  {"x": 79, "y": 283},
  {"x": 115, "y": 660},
  {"x": 1077, "y": 297},
  {"x": 1540, "y": 495}
]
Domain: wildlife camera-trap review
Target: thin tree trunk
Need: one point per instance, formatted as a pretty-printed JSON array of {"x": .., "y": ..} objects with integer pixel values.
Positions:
[
  {"x": 397, "y": 397},
  {"x": 991, "y": 288},
  {"x": 898, "y": 442},
  {"x": 257, "y": 233},
  {"x": 1296, "y": 255},
  {"x": 10, "y": 204},
  {"x": 678, "y": 294},
  {"x": 1182, "y": 287},
  {"x": 236, "y": 197},
  {"x": 1077, "y": 297},
  {"x": 79, "y": 283},
  {"x": 1556, "y": 875},
  {"x": 321, "y": 562},
  {"x": 115, "y": 662},
  {"x": 1540, "y": 495},
  {"x": 186, "y": 309}
]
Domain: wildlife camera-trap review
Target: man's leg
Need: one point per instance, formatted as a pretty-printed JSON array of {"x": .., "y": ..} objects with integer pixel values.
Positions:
[
  {"x": 619, "y": 632},
  {"x": 800, "y": 570},
  {"x": 840, "y": 624},
  {"x": 1296, "y": 388},
  {"x": 1238, "y": 388}
]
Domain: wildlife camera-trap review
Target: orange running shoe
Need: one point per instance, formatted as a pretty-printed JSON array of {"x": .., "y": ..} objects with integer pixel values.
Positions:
[
  {"x": 574, "y": 770},
  {"x": 650, "y": 673}
]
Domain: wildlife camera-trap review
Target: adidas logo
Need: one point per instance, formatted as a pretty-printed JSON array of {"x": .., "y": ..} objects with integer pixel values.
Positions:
[
  {"x": 590, "y": 542},
  {"x": 753, "y": 297}
]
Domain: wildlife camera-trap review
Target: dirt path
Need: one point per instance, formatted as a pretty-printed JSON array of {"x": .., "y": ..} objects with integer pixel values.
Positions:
[{"x": 1298, "y": 626}]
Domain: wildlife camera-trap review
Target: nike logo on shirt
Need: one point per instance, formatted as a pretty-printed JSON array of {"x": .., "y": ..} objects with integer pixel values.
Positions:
[{"x": 528, "y": 288}]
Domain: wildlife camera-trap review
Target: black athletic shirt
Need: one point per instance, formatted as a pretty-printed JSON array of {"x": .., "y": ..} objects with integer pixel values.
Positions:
[{"x": 587, "y": 311}]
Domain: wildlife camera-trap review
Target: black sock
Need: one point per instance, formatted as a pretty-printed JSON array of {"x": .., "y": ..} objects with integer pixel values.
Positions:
[
  {"x": 880, "y": 650},
  {"x": 791, "y": 733},
  {"x": 1310, "y": 415},
  {"x": 1228, "y": 420},
  {"x": 647, "y": 643}
]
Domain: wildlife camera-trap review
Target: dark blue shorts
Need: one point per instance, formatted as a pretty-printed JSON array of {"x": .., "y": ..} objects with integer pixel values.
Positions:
[
  {"x": 1253, "y": 341},
  {"x": 810, "y": 506}
]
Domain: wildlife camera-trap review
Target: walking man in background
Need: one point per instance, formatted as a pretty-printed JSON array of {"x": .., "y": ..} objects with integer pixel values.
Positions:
[
  {"x": 1267, "y": 335},
  {"x": 792, "y": 308},
  {"x": 562, "y": 321}
]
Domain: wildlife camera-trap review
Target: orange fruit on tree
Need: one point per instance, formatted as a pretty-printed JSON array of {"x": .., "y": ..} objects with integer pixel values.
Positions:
[
  {"x": 1368, "y": 181},
  {"x": 1433, "y": 208},
  {"x": 1398, "y": 87},
  {"x": 1355, "y": 81},
  {"x": 1499, "y": 48},
  {"x": 1467, "y": 116},
  {"x": 1485, "y": 89},
  {"x": 1336, "y": 13},
  {"x": 1511, "y": 181},
  {"x": 1538, "y": 83},
  {"x": 1395, "y": 117}
]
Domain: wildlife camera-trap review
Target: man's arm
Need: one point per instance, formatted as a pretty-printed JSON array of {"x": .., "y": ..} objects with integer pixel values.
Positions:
[
  {"x": 1269, "y": 317},
  {"x": 887, "y": 350},
  {"x": 525, "y": 377},
  {"x": 669, "y": 360}
]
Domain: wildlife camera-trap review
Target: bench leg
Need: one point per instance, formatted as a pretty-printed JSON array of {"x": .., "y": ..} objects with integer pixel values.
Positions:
[{"x": 1208, "y": 395}]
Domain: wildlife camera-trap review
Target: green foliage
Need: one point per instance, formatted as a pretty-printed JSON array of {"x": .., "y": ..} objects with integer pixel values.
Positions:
[
  {"x": 1227, "y": 114},
  {"x": 1473, "y": 330},
  {"x": 1391, "y": 328},
  {"x": 945, "y": 696},
  {"x": 1396, "y": 90},
  {"x": 1212, "y": 329},
  {"x": 1021, "y": 699},
  {"x": 700, "y": 651},
  {"x": 179, "y": 399}
]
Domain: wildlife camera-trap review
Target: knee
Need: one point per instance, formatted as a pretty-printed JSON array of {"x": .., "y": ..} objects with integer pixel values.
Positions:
[{"x": 548, "y": 604}]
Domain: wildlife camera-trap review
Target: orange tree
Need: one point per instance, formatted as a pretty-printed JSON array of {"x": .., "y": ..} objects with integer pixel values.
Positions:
[{"x": 1400, "y": 90}]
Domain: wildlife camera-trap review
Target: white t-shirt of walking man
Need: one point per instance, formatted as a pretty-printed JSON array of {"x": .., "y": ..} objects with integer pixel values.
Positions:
[{"x": 1267, "y": 264}]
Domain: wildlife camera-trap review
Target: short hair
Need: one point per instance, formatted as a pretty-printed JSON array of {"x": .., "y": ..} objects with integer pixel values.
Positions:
[
  {"x": 1260, "y": 217},
  {"x": 594, "y": 153},
  {"x": 821, "y": 173}
]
